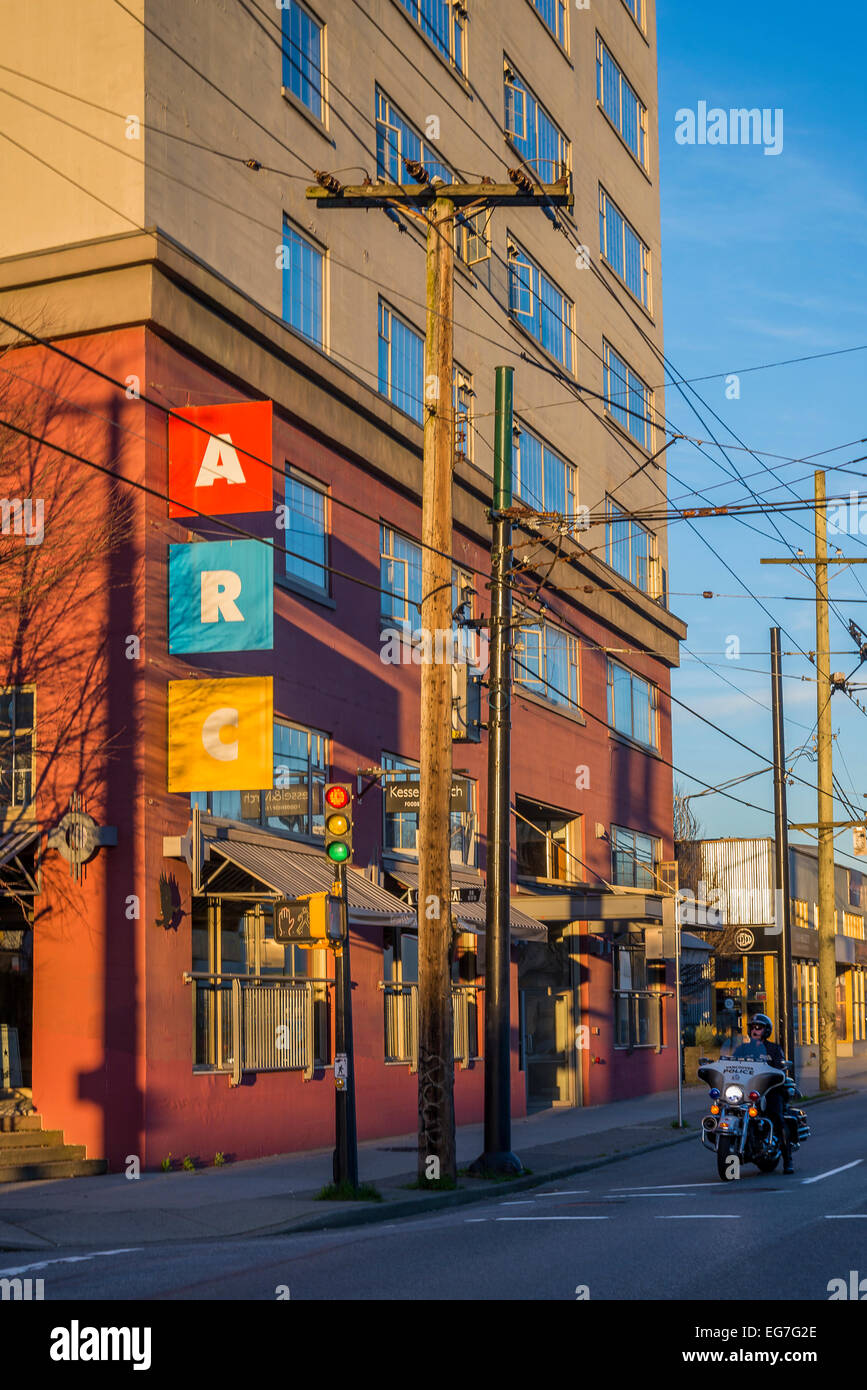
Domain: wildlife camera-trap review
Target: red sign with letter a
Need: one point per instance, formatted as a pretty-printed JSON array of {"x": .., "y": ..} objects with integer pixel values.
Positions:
[{"x": 220, "y": 460}]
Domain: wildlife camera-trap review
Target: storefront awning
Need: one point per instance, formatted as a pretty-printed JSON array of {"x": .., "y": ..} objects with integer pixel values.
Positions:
[
  {"x": 598, "y": 907},
  {"x": 290, "y": 870},
  {"x": 693, "y": 951},
  {"x": 468, "y": 906}
]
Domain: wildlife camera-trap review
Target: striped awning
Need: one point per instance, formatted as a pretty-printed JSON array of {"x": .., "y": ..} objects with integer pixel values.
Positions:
[{"x": 292, "y": 872}]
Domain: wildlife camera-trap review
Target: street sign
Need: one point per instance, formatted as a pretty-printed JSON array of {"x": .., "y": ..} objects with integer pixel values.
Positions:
[
  {"x": 341, "y": 1067},
  {"x": 406, "y": 797}
]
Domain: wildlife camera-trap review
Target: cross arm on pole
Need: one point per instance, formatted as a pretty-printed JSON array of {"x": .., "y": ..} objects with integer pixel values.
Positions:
[
  {"x": 812, "y": 560},
  {"x": 526, "y": 194}
]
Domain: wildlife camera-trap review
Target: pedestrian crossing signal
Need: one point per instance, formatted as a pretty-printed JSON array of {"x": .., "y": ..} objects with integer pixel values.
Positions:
[{"x": 338, "y": 822}]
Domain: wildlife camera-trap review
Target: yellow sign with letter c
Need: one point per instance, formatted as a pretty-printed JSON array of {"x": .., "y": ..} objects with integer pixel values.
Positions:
[{"x": 221, "y": 734}]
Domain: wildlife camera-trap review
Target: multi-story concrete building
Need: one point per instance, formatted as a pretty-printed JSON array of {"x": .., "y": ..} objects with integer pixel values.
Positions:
[{"x": 156, "y": 229}]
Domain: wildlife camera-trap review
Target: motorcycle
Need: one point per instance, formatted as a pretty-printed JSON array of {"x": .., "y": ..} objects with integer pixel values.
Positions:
[{"x": 737, "y": 1124}]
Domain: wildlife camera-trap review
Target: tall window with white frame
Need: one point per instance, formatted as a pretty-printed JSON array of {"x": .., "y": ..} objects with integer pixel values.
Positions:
[
  {"x": 545, "y": 662},
  {"x": 625, "y": 252},
  {"x": 621, "y": 104},
  {"x": 306, "y": 529},
  {"x": 542, "y": 478},
  {"x": 303, "y": 284},
  {"x": 400, "y": 582},
  {"x": 555, "y": 14},
  {"x": 303, "y": 48},
  {"x": 401, "y": 363},
  {"x": 633, "y": 706},
  {"x": 443, "y": 23},
  {"x": 539, "y": 306},
  {"x": 536, "y": 137},
  {"x": 627, "y": 397}
]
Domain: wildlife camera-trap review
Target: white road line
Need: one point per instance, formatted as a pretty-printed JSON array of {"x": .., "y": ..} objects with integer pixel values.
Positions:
[
  {"x": 574, "y": 1192},
  {"x": 850, "y": 1216},
  {"x": 661, "y": 1186},
  {"x": 473, "y": 1220},
  {"x": 832, "y": 1171},
  {"x": 552, "y": 1218},
  {"x": 701, "y": 1216},
  {"x": 528, "y": 1203},
  {"x": 69, "y": 1260}
]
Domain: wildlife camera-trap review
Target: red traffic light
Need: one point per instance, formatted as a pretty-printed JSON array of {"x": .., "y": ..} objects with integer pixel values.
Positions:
[{"x": 337, "y": 797}]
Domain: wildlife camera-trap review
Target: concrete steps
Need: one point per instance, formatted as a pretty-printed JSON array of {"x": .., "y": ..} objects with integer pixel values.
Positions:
[{"x": 28, "y": 1153}]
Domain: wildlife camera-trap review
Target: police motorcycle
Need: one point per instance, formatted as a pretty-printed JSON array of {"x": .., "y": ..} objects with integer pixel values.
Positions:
[{"x": 737, "y": 1123}]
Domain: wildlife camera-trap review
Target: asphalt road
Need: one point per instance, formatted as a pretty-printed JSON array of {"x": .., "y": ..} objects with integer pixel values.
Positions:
[{"x": 656, "y": 1227}]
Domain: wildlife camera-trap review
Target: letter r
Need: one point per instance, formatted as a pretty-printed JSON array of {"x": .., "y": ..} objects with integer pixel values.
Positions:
[{"x": 220, "y": 588}]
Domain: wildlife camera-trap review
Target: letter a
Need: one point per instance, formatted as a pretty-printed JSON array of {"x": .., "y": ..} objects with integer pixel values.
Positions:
[{"x": 220, "y": 461}]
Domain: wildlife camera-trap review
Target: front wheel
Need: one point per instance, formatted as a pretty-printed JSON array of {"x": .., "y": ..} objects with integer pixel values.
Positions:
[{"x": 726, "y": 1148}]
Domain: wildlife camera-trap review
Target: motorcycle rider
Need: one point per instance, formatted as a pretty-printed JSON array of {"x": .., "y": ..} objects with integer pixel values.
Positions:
[{"x": 760, "y": 1049}]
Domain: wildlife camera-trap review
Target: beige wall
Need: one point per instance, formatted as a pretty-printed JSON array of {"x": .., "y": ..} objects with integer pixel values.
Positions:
[
  {"x": 213, "y": 80},
  {"x": 71, "y": 174}
]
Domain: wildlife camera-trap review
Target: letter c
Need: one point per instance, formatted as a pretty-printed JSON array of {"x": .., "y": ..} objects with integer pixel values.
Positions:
[{"x": 217, "y": 721}]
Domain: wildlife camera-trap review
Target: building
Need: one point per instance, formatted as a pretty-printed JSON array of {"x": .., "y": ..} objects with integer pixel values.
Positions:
[
  {"x": 157, "y": 233},
  {"x": 729, "y": 886}
]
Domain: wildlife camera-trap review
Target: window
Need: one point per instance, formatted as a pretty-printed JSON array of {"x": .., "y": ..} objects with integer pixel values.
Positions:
[
  {"x": 547, "y": 842},
  {"x": 554, "y": 14},
  {"x": 624, "y": 109},
  {"x": 624, "y": 250},
  {"x": 627, "y": 397},
  {"x": 633, "y": 706},
  {"x": 17, "y": 734},
  {"x": 400, "y": 579},
  {"x": 545, "y": 661},
  {"x": 806, "y": 1002},
  {"x": 536, "y": 303},
  {"x": 401, "y": 827},
  {"x": 636, "y": 1005},
  {"x": 401, "y": 363},
  {"x": 397, "y": 140},
  {"x": 443, "y": 22},
  {"x": 303, "y": 285},
  {"x": 306, "y": 532},
  {"x": 853, "y": 925},
  {"x": 462, "y": 404},
  {"x": 302, "y": 56},
  {"x": 300, "y": 773},
  {"x": 859, "y": 1004},
  {"x": 543, "y": 479},
  {"x": 633, "y": 857},
  {"x": 533, "y": 133},
  {"x": 631, "y": 550},
  {"x": 636, "y": 9}
]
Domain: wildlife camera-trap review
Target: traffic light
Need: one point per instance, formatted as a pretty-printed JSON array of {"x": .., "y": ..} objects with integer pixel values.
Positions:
[{"x": 338, "y": 821}]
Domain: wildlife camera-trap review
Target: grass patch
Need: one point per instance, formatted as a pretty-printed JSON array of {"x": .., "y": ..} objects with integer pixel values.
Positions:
[
  {"x": 431, "y": 1185},
  {"x": 345, "y": 1192}
]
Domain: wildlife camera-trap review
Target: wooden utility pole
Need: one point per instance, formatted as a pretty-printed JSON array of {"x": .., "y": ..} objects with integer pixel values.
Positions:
[
  {"x": 825, "y": 788},
  {"x": 436, "y": 1110},
  {"x": 436, "y": 205},
  {"x": 825, "y": 825}
]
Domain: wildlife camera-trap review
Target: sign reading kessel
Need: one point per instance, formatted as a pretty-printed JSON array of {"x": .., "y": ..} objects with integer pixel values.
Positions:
[
  {"x": 220, "y": 460},
  {"x": 406, "y": 796},
  {"x": 221, "y": 597},
  {"x": 221, "y": 734}
]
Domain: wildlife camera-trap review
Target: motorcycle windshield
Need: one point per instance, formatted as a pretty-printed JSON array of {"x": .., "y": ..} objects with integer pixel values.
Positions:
[{"x": 730, "y": 1073}]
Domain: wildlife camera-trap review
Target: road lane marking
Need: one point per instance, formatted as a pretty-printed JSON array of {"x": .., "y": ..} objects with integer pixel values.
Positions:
[
  {"x": 473, "y": 1220},
  {"x": 552, "y": 1218},
  {"x": 701, "y": 1216},
  {"x": 660, "y": 1186},
  {"x": 832, "y": 1171},
  {"x": 571, "y": 1192},
  {"x": 69, "y": 1260},
  {"x": 850, "y": 1216},
  {"x": 528, "y": 1203}
]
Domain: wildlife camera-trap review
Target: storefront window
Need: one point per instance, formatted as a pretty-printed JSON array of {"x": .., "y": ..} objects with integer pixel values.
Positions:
[
  {"x": 401, "y": 827},
  {"x": 636, "y": 1007},
  {"x": 294, "y": 805},
  {"x": 547, "y": 842}
]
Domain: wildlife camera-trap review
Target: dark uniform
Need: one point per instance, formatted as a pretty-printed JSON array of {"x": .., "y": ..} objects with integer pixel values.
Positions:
[{"x": 775, "y": 1101}]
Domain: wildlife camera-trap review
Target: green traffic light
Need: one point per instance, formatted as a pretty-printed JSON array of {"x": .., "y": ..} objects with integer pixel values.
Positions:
[{"x": 338, "y": 852}]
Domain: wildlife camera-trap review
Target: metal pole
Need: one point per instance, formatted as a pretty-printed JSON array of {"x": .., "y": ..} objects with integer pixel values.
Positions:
[
  {"x": 677, "y": 991},
  {"x": 345, "y": 1131},
  {"x": 825, "y": 817},
  {"x": 498, "y": 1156},
  {"x": 783, "y": 905}
]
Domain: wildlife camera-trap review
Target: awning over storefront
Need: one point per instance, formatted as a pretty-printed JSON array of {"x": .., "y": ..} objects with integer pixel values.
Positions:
[
  {"x": 290, "y": 870},
  {"x": 468, "y": 905},
  {"x": 598, "y": 907},
  {"x": 693, "y": 951}
]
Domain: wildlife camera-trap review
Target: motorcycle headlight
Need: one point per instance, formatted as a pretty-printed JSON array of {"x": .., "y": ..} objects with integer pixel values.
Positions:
[{"x": 734, "y": 1093}]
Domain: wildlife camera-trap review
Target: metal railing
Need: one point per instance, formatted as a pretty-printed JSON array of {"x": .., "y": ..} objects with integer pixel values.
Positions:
[
  {"x": 256, "y": 1022},
  {"x": 400, "y": 1019}
]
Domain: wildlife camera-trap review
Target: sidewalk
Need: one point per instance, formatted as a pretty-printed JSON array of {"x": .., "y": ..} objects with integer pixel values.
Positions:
[{"x": 274, "y": 1195}]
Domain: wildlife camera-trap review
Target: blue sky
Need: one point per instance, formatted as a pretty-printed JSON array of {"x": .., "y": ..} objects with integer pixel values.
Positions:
[{"x": 764, "y": 258}]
